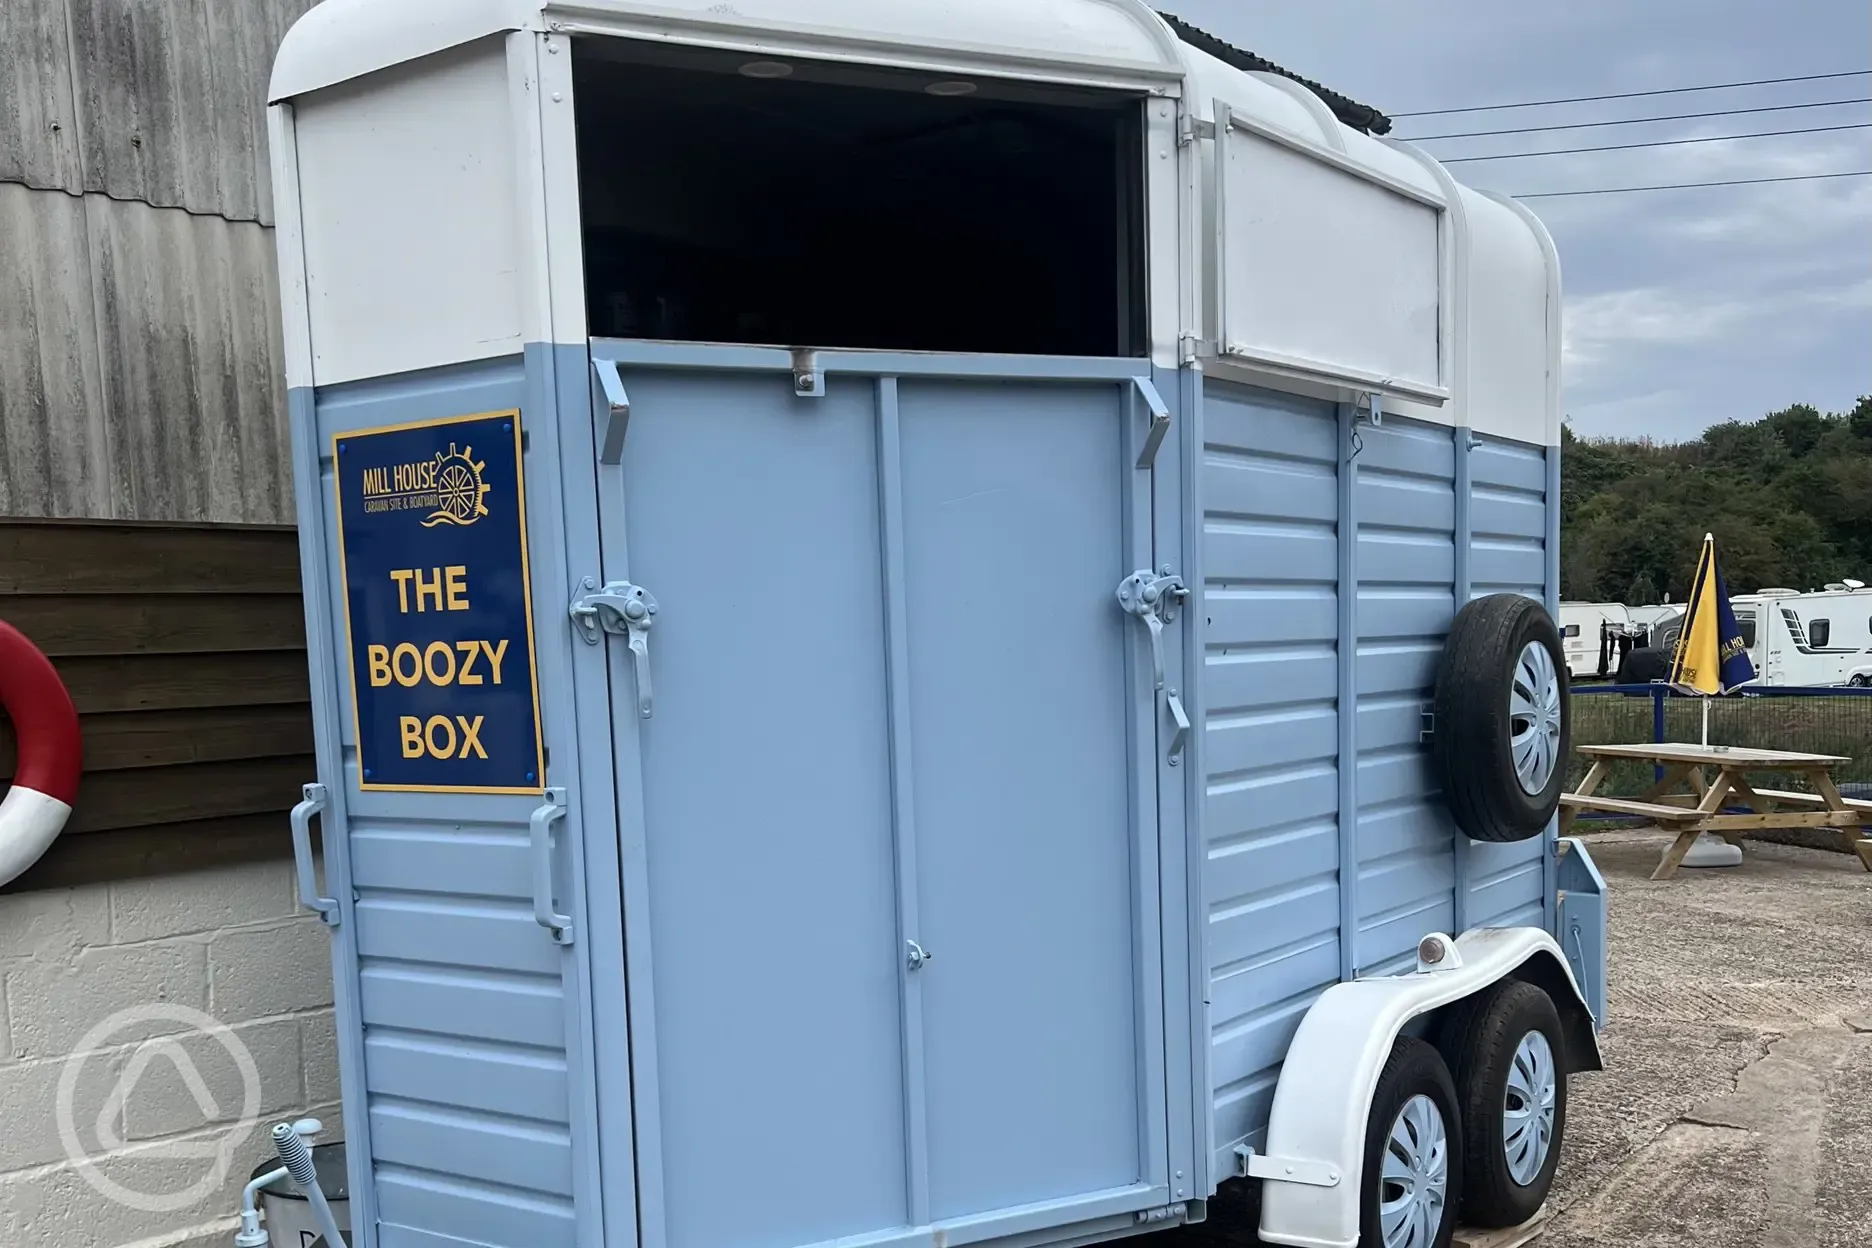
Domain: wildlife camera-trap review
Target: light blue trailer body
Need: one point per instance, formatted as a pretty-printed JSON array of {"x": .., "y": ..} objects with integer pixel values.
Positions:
[{"x": 874, "y": 893}]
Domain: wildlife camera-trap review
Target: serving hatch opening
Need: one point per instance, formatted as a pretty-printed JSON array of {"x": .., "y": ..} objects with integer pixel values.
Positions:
[{"x": 738, "y": 199}]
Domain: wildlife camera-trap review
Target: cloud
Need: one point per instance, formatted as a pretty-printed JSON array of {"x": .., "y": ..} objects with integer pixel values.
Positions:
[
  {"x": 1597, "y": 328},
  {"x": 1615, "y": 334}
]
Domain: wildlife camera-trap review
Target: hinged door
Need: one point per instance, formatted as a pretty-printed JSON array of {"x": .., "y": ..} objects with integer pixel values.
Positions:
[{"x": 889, "y": 760}]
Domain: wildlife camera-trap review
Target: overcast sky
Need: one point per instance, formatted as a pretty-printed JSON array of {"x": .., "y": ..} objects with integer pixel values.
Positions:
[{"x": 1683, "y": 308}]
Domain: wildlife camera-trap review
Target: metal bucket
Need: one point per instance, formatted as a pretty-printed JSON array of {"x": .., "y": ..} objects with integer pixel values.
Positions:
[{"x": 289, "y": 1221}]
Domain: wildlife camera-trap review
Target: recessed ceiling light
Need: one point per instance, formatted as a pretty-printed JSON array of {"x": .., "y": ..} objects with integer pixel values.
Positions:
[
  {"x": 766, "y": 69},
  {"x": 950, "y": 88}
]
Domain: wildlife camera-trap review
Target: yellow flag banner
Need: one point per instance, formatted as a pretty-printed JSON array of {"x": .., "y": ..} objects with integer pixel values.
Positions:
[{"x": 1711, "y": 657}]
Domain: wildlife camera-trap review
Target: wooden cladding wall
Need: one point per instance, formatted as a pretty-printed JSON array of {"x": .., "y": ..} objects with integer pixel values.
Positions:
[{"x": 184, "y": 649}]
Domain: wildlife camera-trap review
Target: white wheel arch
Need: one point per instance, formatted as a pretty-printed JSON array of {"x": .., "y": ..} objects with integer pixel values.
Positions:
[{"x": 1331, "y": 1073}]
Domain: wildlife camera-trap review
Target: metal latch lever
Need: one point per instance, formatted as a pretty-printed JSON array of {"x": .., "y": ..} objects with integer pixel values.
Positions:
[
  {"x": 626, "y": 609},
  {"x": 1154, "y": 600}
]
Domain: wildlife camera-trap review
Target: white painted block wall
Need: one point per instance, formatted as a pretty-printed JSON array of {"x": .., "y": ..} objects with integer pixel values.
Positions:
[{"x": 230, "y": 942}]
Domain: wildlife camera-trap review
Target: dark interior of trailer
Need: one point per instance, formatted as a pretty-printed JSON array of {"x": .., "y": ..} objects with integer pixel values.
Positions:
[{"x": 805, "y": 204}]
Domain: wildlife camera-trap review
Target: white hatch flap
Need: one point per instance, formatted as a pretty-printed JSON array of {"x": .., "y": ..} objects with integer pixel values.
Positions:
[{"x": 1331, "y": 269}]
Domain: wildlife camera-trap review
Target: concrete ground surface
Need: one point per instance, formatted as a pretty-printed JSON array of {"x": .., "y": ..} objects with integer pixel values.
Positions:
[{"x": 1736, "y": 1106}]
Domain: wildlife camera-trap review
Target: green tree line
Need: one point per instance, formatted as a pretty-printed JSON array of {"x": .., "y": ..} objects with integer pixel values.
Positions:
[{"x": 1789, "y": 498}]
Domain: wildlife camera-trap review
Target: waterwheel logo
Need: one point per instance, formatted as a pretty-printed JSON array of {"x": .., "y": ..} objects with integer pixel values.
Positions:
[{"x": 461, "y": 495}]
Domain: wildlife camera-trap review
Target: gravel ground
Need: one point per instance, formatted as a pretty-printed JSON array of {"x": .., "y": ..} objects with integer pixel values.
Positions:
[{"x": 1736, "y": 1106}]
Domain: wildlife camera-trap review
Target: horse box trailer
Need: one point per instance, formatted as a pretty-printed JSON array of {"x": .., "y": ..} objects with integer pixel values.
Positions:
[{"x": 883, "y": 587}]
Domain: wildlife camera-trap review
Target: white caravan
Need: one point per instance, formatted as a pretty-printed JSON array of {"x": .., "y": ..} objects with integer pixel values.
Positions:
[
  {"x": 1579, "y": 633},
  {"x": 1817, "y": 639}
]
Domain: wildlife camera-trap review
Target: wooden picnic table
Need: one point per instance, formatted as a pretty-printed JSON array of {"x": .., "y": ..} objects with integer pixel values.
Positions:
[{"x": 1689, "y": 800}]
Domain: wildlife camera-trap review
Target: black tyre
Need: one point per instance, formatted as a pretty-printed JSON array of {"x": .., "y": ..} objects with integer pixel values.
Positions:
[
  {"x": 1503, "y": 719},
  {"x": 1412, "y": 1185},
  {"x": 1508, "y": 1056}
]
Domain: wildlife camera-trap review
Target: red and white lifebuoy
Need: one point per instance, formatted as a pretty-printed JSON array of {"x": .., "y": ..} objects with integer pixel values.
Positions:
[{"x": 51, "y": 754}]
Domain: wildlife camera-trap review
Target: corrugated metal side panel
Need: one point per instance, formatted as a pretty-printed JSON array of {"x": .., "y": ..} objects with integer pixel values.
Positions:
[
  {"x": 461, "y": 995},
  {"x": 54, "y": 459},
  {"x": 172, "y": 99},
  {"x": 194, "y": 372},
  {"x": 179, "y": 415},
  {"x": 1508, "y": 517},
  {"x": 1406, "y": 513},
  {"x": 1270, "y": 596},
  {"x": 38, "y": 134},
  {"x": 1508, "y": 554}
]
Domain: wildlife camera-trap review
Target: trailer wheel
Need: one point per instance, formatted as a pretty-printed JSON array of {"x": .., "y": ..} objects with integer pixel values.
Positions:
[
  {"x": 1508, "y": 1056},
  {"x": 1413, "y": 1153},
  {"x": 1503, "y": 719}
]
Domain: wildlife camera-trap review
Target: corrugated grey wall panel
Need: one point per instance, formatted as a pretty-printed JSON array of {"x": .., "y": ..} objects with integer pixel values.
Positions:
[
  {"x": 53, "y": 455},
  {"x": 1406, "y": 509},
  {"x": 1270, "y": 595},
  {"x": 194, "y": 370},
  {"x": 140, "y": 364},
  {"x": 141, "y": 371},
  {"x": 38, "y": 137},
  {"x": 172, "y": 97}
]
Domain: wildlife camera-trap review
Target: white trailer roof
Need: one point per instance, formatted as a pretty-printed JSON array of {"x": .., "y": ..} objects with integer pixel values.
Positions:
[
  {"x": 1063, "y": 40},
  {"x": 1394, "y": 279}
]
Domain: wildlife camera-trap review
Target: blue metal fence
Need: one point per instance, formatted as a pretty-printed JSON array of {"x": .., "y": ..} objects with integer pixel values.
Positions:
[{"x": 1834, "y": 721}]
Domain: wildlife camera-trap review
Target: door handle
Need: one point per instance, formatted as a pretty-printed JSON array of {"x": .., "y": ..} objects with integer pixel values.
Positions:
[
  {"x": 539, "y": 830},
  {"x": 315, "y": 798}
]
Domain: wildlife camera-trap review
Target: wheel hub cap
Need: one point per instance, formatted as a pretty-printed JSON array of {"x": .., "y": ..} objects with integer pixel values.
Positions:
[
  {"x": 1414, "y": 1184},
  {"x": 1534, "y": 718},
  {"x": 1528, "y": 1111}
]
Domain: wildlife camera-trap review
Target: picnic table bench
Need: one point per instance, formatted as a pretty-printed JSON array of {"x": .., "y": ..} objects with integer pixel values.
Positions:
[{"x": 1689, "y": 800}]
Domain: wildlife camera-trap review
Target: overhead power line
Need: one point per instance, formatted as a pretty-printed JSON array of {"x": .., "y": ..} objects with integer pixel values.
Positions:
[
  {"x": 1685, "y": 186},
  {"x": 1637, "y": 121},
  {"x": 1621, "y": 147},
  {"x": 1633, "y": 95}
]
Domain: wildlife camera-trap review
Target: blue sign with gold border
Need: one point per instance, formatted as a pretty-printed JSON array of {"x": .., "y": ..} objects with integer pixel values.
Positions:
[{"x": 433, "y": 559}]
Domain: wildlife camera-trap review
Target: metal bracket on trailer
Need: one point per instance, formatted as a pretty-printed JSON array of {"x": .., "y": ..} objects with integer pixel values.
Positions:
[
  {"x": 1252, "y": 1165},
  {"x": 1159, "y": 421},
  {"x": 808, "y": 377},
  {"x": 1163, "y": 1215},
  {"x": 1190, "y": 129},
  {"x": 617, "y": 415}
]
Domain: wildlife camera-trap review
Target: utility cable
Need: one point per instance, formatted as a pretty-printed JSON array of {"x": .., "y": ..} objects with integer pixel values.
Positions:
[
  {"x": 1622, "y": 147},
  {"x": 1632, "y": 95},
  {"x": 1637, "y": 121},
  {"x": 1685, "y": 186}
]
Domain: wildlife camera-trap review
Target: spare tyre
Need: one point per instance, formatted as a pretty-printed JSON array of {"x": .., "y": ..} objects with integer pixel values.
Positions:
[{"x": 1503, "y": 729}]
